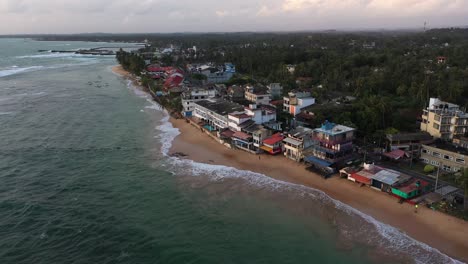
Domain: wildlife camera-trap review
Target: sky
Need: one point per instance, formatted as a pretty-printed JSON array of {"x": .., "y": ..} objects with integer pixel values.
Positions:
[{"x": 163, "y": 16}]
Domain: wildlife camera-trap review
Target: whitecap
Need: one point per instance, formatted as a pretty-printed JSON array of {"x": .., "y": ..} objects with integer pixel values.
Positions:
[{"x": 16, "y": 70}]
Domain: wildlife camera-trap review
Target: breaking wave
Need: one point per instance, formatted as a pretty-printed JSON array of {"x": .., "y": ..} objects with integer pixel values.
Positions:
[
  {"x": 385, "y": 236},
  {"x": 15, "y": 70},
  {"x": 18, "y": 70},
  {"x": 61, "y": 55}
]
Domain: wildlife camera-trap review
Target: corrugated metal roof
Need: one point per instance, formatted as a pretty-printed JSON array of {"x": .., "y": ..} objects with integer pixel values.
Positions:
[{"x": 387, "y": 177}]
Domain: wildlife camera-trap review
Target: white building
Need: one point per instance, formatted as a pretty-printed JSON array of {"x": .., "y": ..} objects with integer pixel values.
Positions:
[
  {"x": 296, "y": 101},
  {"x": 261, "y": 113},
  {"x": 215, "y": 112},
  {"x": 194, "y": 95}
]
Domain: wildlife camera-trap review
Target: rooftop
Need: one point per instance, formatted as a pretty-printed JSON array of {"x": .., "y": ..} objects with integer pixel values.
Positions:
[
  {"x": 413, "y": 184},
  {"x": 449, "y": 147},
  {"x": 300, "y": 131},
  {"x": 333, "y": 129},
  {"x": 278, "y": 137},
  {"x": 220, "y": 106},
  {"x": 419, "y": 136}
]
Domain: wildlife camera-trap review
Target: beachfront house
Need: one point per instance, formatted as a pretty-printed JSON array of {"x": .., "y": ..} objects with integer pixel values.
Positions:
[
  {"x": 195, "y": 95},
  {"x": 273, "y": 144},
  {"x": 296, "y": 101},
  {"x": 214, "y": 113},
  {"x": 385, "y": 179},
  {"x": 332, "y": 145},
  {"x": 243, "y": 141},
  {"x": 365, "y": 175},
  {"x": 296, "y": 141},
  {"x": 411, "y": 189}
]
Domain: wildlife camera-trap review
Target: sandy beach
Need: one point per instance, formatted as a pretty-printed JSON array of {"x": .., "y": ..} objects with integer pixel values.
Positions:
[
  {"x": 443, "y": 232},
  {"x": 118, "y": 69}
]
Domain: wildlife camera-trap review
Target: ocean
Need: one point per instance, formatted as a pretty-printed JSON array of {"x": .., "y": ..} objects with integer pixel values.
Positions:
[{"x": 85, "y": 178}]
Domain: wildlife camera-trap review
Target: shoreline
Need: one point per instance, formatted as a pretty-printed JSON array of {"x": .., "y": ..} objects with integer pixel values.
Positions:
[{"x": 445, "y": 233}]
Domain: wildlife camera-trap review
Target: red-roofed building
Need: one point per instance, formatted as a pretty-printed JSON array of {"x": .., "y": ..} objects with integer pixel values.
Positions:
[
  {"x": 365, "y": 176},
  {"x": 242, "y": 140},
  {"x": 273, "y": 144},
  {"x": 410, "y": 189}
]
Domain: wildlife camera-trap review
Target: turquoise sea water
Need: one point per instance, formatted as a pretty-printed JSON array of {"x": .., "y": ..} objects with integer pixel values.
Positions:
[{"x": 84, "y": 179}]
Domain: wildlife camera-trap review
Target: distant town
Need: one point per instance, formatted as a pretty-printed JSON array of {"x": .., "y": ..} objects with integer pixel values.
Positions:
[{"x": 405, "y": 136}]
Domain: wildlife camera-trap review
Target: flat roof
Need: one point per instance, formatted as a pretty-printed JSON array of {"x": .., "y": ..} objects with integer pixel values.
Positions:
[
  {"x": 292, "y": 141},
  {"x": 418, "y": 136},
  {"x": 333, "y": 129},
  {"x": 449, "y": 147},
  {"x": 221, "y": 107}
]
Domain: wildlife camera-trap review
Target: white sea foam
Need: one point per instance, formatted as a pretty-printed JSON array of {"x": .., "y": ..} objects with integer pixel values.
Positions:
[
  {"x": 390, "y": 237},
  {"x": 15, "y": 70},
  {"x": 6, "y": 113},
  {"x": 51, "y": 55}
]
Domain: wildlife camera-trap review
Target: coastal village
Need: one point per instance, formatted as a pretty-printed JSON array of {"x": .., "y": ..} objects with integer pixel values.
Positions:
[{"x": 265, "y": 119}]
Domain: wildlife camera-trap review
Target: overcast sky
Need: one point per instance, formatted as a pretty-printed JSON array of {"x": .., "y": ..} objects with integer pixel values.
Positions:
[{"x": 113, "y": 16}]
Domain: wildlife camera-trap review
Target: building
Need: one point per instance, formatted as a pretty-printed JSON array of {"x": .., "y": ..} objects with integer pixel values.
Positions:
[
  {"x": 239, "y": 120},
  {"x": 444, "y": 120},
  {"x": 194, "y": 95},
  {"x": 296, "y": 142},
  {"x": 295, "y": 101},
  {"x": 275, "y": 90},
  {"x": 441, "y": 60},
  {"x": 405, "y": 141},
  {"x": 445, "y": 156},
  {"x": 273, "y": 144},
  {"x": 214, "y": 73},
  {"x": 461, "y": 142},
  {"x": 411, "y": 189},
  {"x": 408, "y": 142},
  {"x": 365, "y": 176},
  {"x": 261, "y": 113},
  {"x": 385, "y": 179},
  {"x": 257, "y": 95},
  {"x": 235, "y": 92},
  {"x": 332, "y": 144},
  {"x": 215, "y": 112},
  {"x": 242, "y": 140}
]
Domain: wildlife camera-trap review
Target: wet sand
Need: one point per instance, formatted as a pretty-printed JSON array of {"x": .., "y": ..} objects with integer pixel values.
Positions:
[{"x": 441, "y": 231}]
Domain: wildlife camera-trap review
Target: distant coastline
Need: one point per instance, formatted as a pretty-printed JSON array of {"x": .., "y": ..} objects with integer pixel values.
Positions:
[{"x": 438, "y": 230}]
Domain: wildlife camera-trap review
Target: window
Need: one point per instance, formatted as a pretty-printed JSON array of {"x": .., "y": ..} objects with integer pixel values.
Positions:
[
  {"x": 436, "y": 154},
  {"x": 447, "y": 157},
  {"x": 424, "y": 151},
  {"x": 435, "y": 163},
  {"x": 446, "y": 168},
  {"x": 436, "y": 126},
  {"x": 437, "y": 118},
  {"x": 459, "y": 160}
]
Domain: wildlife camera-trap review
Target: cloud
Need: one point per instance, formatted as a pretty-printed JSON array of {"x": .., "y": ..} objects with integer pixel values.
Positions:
[{"x": 62, "y": 16}]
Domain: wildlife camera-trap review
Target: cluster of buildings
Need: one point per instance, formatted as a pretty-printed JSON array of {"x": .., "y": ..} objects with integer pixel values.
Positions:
[
  {"x": 213, "y": 73},
  {"x": 254, "y": 127}
]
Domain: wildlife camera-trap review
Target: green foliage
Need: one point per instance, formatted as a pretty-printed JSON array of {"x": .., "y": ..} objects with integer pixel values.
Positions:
[
  {"x": 198, "y": 76},
  {"x": 131, "y": 62},
  {"x": 429, "y": 169}
]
